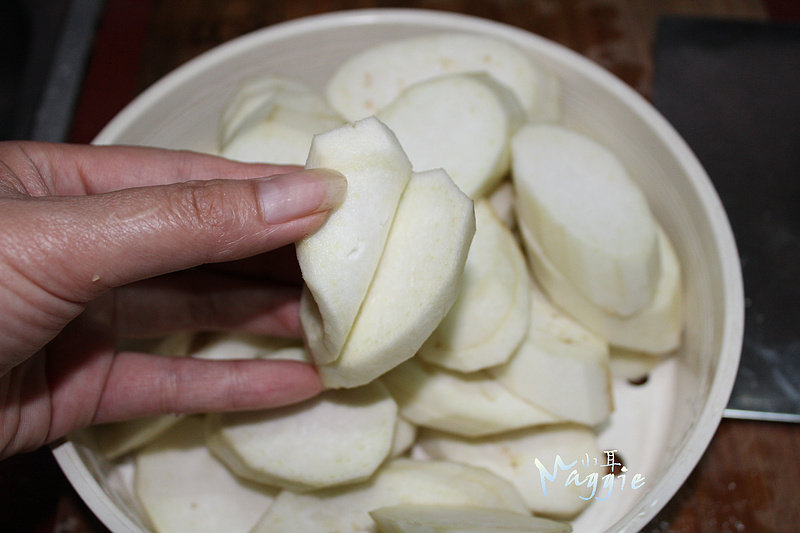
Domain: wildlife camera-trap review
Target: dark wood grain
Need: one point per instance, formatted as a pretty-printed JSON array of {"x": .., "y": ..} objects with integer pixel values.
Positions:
[{"x": 749, "y": 478}]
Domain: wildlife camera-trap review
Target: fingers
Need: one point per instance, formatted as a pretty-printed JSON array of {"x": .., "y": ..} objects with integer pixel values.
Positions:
[
  {"x": 203, "y": 301},
  {"x": 77, "y": 247},
  {"x": 79, "y": 381},
  {"x": 141, "y": 385},
  {"x": 61, "y": 169}
]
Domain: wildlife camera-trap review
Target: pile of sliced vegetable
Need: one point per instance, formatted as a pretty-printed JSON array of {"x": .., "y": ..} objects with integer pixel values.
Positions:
[{"x": 461, "y": 306}]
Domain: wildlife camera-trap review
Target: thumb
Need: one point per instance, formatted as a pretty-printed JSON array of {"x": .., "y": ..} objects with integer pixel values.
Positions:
[{"x": 76, "y": 247}]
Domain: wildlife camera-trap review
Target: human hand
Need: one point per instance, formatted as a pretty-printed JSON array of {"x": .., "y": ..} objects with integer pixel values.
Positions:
[{"x": 95, "y": 243}]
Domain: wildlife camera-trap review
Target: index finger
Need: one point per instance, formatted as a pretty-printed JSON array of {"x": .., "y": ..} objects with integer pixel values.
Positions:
[{"x": 71, "y": 169}]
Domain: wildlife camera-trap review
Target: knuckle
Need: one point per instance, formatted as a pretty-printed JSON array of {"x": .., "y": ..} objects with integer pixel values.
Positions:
[
  {"x": 206, "y": 207},
  {"x": 207, "y": 204}
]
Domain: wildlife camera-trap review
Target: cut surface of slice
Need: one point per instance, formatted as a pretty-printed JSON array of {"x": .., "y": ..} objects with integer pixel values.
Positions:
[
  {"x": 560, "y": 366},
  {"x": 273, "y": 120},
  {"x": 462, "y": 123},
  {"x": 492, "y": 312},
  {"x": 182, "y": 487},
  {"x": 337, "y": 438},
  {"x": 539, "y": 462},
  {"x": 420, "y": 518},
  {"x": 656, "y": 329},
  {"x": 339, "y": 260},
  {"x": 261, "y": 99},
  {"x": 271, "y": 142},
  {"x": 346, "y": 509},
  {"x": 371, "y": 79},
  {"x": 464, "y": 404},
  {"x": 590, "y": 218},
  {"x": 415, "y": 284}
]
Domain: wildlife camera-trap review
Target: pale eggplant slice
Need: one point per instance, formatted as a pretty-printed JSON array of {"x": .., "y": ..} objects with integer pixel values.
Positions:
[
  {"x": 421, "y": 518},
  {"x": 115, "y": 439},
  {"x": 250, "y": 346},
  {"x": 470, "y": 405},
  {"x": 656, "y": 329},
  {"x": 589, "y": 217},
  {"x": 336, "y": 438},
  {"x": 405, "y": 434},
  {"x": 560, "y": 366},
  {"x": 370, "y": 80},
  {"x": 415, "y": 284},
  {"x": 346, "y": 509},
  {"x": 274, "y": 120},
  {"x": 339, "y": 260},
  {"x": 492, "y": 312},
  {"x": 529, "y": 459},
  {"x": 462, "y": 123},
  {"x": 502, "y": 199},
  {"x": 182, "y": 487},
  {"x": 273, "y": 142},
  {"x": 269, "y": 98}
]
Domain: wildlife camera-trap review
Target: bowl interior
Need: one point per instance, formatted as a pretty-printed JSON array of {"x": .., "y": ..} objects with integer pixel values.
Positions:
[{"x": 661, "y": 428}]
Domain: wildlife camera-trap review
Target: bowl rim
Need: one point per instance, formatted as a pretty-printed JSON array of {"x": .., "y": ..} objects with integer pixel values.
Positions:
[{"x": 708, "y": 418}]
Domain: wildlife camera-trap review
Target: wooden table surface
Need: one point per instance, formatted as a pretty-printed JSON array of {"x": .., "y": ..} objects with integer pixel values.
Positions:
[{"x": 749, "y": 478}]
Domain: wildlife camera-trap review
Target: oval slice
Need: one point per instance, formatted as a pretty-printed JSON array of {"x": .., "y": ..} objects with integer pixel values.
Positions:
[
  {"x": 492, "y": 312},
  {"x": 370, "y": 80},
  {"x": 271, "y": 142},
  {"x": 590, "y": 218},
  {"x": 464, "y": 404},
  {"x": 462, "y": 123},
  {"x": 346, "y": 509},
  {"x": 560, "y": 366},
  {"x": 538, "y": 462},
  {"x": 182, "y": 487},
  {"x": 268, "y": 98},
  {"x": 336, "y": 438},
  {"x": 656, "y": 329}
]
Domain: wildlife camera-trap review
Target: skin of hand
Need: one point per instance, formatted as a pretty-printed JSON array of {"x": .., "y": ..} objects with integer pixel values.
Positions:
[{"x": 102, "y": 243}]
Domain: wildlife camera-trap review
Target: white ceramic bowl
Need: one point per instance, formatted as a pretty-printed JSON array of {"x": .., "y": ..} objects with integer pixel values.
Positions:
[{"x": 661, "y": 428}]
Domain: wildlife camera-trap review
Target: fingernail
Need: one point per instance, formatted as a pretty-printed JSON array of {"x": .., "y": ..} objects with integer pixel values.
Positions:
[{"x": 299, "y": 194}]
